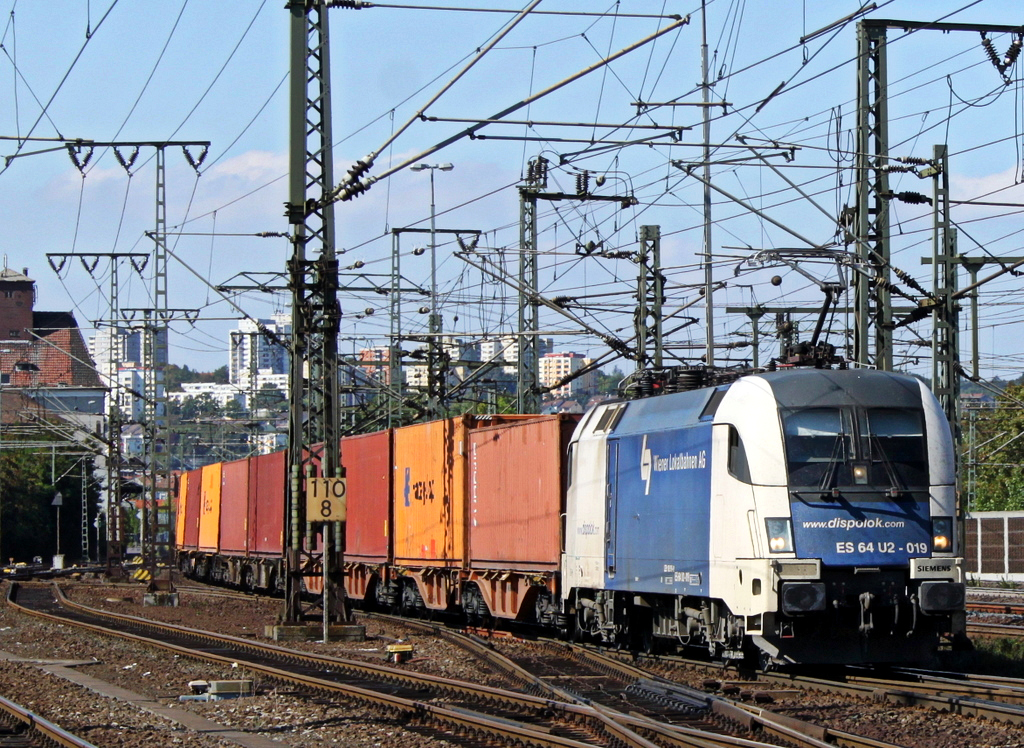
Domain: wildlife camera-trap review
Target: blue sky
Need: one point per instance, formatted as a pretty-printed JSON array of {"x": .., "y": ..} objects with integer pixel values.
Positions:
[{"x": 191, "y": 70}]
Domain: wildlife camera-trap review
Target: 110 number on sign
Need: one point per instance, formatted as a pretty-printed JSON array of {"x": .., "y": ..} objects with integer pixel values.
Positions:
[{"x": 326, "y": 500}]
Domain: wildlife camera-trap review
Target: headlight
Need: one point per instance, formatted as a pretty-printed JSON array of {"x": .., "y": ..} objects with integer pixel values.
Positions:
[
  {"x": 780, "y": 535},
  {"x": 942, "y": 534},
  {"x": 860, "y": 475}
]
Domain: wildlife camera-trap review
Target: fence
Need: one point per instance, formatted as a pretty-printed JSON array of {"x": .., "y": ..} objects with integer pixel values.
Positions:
[{"x": 994, "y": 546}]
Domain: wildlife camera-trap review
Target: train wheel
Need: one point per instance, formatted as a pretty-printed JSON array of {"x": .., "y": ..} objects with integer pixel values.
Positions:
[
  {"x": 577, "y": 632},
  {"x": 641, "y": 631},
  {"x": 410, "y": 604},
  {"x": 246, "y": 579},
  {"x": 563, "y": 624}
]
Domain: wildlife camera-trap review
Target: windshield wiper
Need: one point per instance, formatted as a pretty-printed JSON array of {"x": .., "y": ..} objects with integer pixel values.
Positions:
[
  {"x": 897, "y": 486},
  {"x": 826, "y": 487}
]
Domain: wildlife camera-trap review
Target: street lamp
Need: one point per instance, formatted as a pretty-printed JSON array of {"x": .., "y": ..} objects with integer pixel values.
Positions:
[
  {"x": 2, "y": 383},
  {"x": 435, "y": 383}
]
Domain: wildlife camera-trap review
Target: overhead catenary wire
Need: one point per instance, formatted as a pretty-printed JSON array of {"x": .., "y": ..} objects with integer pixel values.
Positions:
[{"x": 605, "y": 221}]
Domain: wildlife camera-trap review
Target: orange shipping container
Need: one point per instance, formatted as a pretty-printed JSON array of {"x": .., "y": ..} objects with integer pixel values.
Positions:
[
  {"x": 267, "y": 504},
  {"x": 429, "y": 490},
  {"x": 234, "y": 508},
  {"x": 209, "y": 509},
  {"x": 430, "y": 493},
  {"x": 189, "y": 504},
  {"x": 516, "y": 494},
  {"x": 181, "y": 501}
]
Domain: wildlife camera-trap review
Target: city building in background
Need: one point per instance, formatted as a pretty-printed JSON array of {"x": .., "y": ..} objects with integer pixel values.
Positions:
[
  {"x": 251, "y": 351},
  {"x": 555, "y": 367}
]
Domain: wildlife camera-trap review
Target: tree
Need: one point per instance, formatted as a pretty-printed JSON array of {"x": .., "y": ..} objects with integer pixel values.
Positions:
[
  {"x": 201, "y": 406},
  {"x": 608, "y": 384},
  {"x": 28, "y": 521},
  {"x": 998, "y": 450},
  {"x": 269, "y": 397},
  {"x": 175, "y": 375}
]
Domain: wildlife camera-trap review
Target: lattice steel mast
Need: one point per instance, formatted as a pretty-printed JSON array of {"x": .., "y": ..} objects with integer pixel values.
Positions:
[{"x": 315, "y": 316}]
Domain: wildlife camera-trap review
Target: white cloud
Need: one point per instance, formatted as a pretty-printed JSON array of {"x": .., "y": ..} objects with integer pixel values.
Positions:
[
  {"x": 998, "y": 187},
  {"x": 254, "y": 166}
]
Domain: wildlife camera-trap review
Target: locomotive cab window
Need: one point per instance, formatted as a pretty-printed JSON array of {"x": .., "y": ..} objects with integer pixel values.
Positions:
[
  {"x": 896, "y": 443},
  {"x": 830, "y": 448}
]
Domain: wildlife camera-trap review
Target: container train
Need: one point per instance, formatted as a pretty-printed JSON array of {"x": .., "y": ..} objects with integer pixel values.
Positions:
[{"x": 797, "y": 516}]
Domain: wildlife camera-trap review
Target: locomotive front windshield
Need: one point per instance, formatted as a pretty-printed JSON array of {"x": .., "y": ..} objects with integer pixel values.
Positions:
[{"x": 830, "y": 448}]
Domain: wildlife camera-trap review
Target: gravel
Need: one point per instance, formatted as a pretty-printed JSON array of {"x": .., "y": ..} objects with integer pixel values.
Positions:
[
  {"x": 292, "y": 719},
  {"x": 284, "y": 716}
]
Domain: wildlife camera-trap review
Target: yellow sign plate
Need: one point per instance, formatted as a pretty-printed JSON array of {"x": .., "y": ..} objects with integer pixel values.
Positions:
[{"x": 326, "y": 499}]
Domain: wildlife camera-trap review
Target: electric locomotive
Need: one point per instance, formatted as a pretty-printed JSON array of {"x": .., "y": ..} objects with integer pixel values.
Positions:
[{"x": 801, "y": 515}]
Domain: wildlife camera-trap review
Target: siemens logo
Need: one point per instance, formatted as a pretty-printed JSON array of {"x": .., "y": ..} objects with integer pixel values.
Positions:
[{"x": 943, "y": 568}]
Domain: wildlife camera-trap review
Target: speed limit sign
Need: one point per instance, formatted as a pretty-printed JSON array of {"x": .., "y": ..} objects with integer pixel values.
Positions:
[{"x": 326, "y": 499}]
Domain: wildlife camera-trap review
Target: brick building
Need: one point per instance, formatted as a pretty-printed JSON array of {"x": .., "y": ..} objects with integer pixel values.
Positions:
[{"x": 43, "y": 356}]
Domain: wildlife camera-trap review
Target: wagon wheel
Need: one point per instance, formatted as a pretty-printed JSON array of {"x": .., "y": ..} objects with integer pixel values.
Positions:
[{"x": 640, "y": 631}]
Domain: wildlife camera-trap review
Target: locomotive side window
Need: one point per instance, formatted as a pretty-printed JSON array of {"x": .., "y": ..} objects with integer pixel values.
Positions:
[
  {"x": 610, "y": 418},
  {"x": 738, "y": 466}
]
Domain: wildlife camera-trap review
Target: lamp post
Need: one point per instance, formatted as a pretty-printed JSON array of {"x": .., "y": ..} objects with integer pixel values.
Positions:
[
  {"x": 435, "y": 349},
  {"x": 2, "y": 383},
  {"x": 1, "y": 456}
]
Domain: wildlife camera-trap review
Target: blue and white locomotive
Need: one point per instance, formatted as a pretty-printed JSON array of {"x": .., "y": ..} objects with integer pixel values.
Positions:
[{"x": 802, "y": 515}]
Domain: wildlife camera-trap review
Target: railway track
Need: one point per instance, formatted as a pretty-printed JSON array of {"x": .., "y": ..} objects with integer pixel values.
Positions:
[
  {"x": 989, "y": 630},
  {"x": 584, "y": 674},
  {"x": 23, "y": 728},
  {"x": 547, "y": 715},
  {"x": 484, "y": 713},
  {"x": 996, "y": 608},
  {"x": 999, "y": 699}
]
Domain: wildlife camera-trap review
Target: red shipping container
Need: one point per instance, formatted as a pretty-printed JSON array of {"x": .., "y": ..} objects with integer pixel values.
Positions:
[
  {"x": 516, "y": 494},
  {"x": 234, "y": 508},
  {"x": 367, "y": 461},
  {"x": 267, "y": 486}
]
